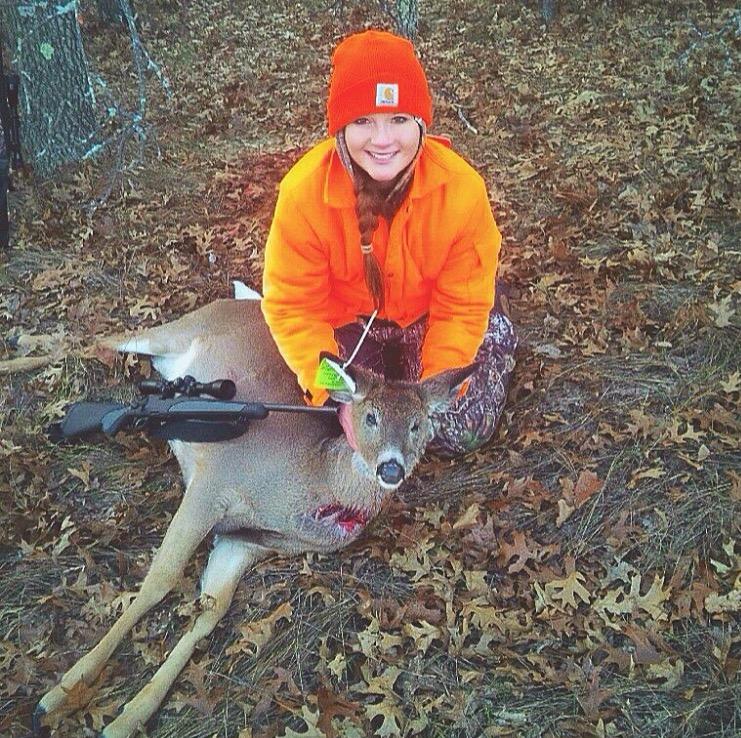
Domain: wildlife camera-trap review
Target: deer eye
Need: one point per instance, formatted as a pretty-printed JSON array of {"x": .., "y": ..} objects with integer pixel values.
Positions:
[
  {"x": 415, "y": 427},
  {"x": 371, "y": 420}
]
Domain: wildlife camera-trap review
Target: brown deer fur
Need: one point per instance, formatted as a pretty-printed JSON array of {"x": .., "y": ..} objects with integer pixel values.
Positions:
[{"x": 291, "y": 484}]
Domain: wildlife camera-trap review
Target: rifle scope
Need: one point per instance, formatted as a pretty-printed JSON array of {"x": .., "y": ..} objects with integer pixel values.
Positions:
[{"x": 220, "y": 389}]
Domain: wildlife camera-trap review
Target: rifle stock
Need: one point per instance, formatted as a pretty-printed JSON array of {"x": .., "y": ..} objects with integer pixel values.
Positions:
[{"x": 82, "y": 419}]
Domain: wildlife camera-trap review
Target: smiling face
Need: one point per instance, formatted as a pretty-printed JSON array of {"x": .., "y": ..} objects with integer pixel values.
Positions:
[{"x": 383, "y": 143}]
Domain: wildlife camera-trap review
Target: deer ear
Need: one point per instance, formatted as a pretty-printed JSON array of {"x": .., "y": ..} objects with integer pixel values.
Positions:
[
  {"x": 442, "y": 389},
  {"x": 363, "y": 380}
]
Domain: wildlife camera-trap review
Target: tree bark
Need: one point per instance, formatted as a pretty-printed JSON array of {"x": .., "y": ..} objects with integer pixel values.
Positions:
[
  {"x": 57, "y": 113},
  {"x": 110, "y": 12},
  {"x": 407, "y": 18},
  {"x": 548, "y": 10}
]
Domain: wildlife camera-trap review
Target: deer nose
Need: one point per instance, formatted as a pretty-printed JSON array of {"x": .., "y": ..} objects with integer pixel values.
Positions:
[{"x": 390, "y": 472}]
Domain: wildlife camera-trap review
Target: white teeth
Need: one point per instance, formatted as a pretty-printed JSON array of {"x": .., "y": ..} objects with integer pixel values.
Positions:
[{"x": 381, "y": 157}]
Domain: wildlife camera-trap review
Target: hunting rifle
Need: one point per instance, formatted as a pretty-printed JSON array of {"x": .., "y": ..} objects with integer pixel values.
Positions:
[{"x": 173, "y": 410}]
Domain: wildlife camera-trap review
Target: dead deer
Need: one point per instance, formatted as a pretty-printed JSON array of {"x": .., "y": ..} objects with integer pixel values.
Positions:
[{"x": 291, "y": 484}]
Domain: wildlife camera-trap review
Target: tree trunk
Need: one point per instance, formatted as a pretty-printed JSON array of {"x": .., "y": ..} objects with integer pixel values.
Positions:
[
  {"x": 56, "y": 100},
  {"x": 110, "y": 12},
  {"x": 548, "y": 10},
  {"x": 406, "y": 17}
]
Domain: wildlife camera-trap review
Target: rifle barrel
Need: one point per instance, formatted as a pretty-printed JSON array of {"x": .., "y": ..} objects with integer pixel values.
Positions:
[{"x": 300, "y": 409}]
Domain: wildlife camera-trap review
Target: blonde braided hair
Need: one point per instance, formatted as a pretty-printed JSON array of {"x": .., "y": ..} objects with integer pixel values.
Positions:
[{"x": 372, "y": 200}]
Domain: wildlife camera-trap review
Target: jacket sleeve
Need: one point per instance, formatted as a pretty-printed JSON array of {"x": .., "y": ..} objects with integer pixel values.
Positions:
[
  {"x": 295, "y": 290},
  {"x": 463, "y": 294}
]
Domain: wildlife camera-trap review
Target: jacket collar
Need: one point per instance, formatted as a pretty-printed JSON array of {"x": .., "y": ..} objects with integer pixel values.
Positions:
[{"x": 429, "y": 174}]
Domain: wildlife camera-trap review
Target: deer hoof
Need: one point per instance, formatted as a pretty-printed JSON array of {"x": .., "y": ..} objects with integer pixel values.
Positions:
[{"x": 38, "y": 729}]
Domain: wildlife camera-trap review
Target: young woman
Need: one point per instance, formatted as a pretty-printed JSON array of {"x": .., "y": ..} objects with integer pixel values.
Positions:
[{"x": 382, "y": 218}]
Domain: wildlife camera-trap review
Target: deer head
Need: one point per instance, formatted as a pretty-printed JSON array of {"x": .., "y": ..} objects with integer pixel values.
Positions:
[{"x": 389, "y": 424}]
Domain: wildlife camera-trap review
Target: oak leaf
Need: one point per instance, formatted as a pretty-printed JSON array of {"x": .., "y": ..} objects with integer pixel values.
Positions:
[
  {"x": 476, "y": 582},
  {"x": 575, "y": 495},
  {"x": 415, "y": 560},
  {"x": 338, "y": 665},
  {"x": 391, "y": 715},
  {"x": 517, "y": 550},
  {"x": 730, "y": 602},
  {"x": 313, "y": 731},
  {"x": 593, "y": 696},
  {"x": 422, "y": 635},
  {"x": 587, "y": 485},
  {"x": 732, "y": 384},
  {"x": 382, "y": 684},
  {"x": 652, "y": 601},
  {"x": 614, "y": 602},
  {"x": 645, "y": 651},
  {"x": 387, "y": 708},
  {"x": 670, "y": 674},
  {"x": 655, "y": 472},
  {"x": 374, "y": 641},
  {"x": 432, "y": 610},
  {"x": 561, "y": 592},
  {"x": 480, "y": 541},
  {"x": 483, "y": 615},
  {"x": 256, "y": 634},
  {"x": 206, "y": 697},
  {"x": 332, "y": 705},
  {"x": 724, "y": 311},
  {"x": 468, "y": 518}
]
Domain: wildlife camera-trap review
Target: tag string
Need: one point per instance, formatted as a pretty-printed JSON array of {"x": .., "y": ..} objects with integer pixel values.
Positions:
[{"x": 362, "y": 338}]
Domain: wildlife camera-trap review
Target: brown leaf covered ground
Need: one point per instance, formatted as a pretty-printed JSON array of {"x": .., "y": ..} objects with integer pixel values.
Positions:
[{"x": 577, "y": 577}]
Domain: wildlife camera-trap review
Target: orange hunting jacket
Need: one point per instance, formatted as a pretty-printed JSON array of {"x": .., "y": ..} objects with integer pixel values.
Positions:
[{"x": 439, "y": 257}]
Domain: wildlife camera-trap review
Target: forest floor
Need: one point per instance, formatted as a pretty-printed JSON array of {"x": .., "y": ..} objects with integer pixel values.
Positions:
[{"x": 580, "y": 575}]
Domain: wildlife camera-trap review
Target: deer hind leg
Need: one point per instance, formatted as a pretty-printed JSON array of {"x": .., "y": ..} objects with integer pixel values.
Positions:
[
  {"x": 190, "y": 525},
  {"x": 229, "y": 560}
]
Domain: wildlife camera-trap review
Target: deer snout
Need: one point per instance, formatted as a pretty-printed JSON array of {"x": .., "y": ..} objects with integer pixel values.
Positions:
[{"x": 391, "y": 473}]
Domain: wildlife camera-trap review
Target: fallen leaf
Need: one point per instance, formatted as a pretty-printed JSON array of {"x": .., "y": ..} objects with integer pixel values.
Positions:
[
  {"x": 652, "y": 601},
  {"x": 565, "y": 511},
  {"x": 655, "y": 472},
  {"x": 732, "y": 384},
  {"x": 338, "y": 665},
  {"x": 517, "y": 550},
  {"x": 391, "y": 714},
  {"x": 254, "y": 635},
  {"x": 468, "y": 518},
  {"x": 670, "y": 673},
  {"x": 587, "y": 485},
  {"x": 311, "y": 719},
  {"x": 730, "y": 602},
  {"x": 423, "y": 635},
  {"x": 724, "y": 311},
  {"x": 567, "y": 590},
  {"x": 332, "y": 705}
]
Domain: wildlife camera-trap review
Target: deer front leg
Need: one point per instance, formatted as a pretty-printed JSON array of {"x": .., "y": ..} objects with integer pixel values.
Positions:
[
  {"x": 192, "y": 522},
  {"x": 228, "y": 561}
]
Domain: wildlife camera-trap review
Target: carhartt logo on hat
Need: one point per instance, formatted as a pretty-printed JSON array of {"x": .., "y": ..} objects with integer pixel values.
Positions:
[{"x": 387, "y": 93}]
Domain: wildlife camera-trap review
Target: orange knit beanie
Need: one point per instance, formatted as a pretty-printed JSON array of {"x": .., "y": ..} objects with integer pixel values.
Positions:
[{"x": 376, "y": 72}]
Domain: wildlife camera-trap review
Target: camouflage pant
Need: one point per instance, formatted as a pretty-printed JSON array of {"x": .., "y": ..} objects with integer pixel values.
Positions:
[{"x": 395, "y": 352}]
